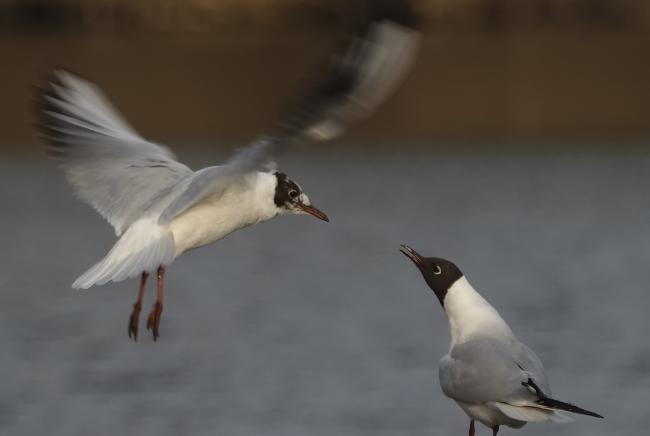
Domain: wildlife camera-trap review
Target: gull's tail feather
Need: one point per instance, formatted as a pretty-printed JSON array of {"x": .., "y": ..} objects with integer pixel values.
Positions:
[
  {"x": 134, "y": 253},
  {"x": 532, "y": 413}
]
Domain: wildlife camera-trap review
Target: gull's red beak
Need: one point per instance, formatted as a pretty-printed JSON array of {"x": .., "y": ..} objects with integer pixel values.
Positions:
[
  {"x": 311, "y": 210},
  {"x": 413, "y": 255}
]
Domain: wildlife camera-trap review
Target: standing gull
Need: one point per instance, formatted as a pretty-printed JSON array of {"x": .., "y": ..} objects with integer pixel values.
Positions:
[
  {"x": 492, "y": 376},
  {"x": 159, "y": 207}
]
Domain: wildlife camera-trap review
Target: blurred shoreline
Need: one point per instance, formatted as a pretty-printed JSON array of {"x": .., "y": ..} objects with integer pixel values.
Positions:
[
  {"x": 208, "y": 15},
  {"x": 207, "y": 88},
  {"x": 203, "y": 71}
]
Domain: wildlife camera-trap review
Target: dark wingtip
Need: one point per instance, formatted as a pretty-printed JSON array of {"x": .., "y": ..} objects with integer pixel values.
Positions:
[
  {"x": 588, "y": 413},
  {"x": 45, "y": 126},
  {"x": 556, "y": 404},
  {"x": 331, "y": 102},
  {"x": 567, "y": 407},
  {"x": 398, "y": 11}
]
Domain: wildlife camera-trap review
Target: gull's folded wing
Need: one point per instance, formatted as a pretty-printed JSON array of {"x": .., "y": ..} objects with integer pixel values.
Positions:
[
  {"x": 486, "y": 369},
  {"x": 353, "y": 84},
  {"x": 110, "y": 166}
]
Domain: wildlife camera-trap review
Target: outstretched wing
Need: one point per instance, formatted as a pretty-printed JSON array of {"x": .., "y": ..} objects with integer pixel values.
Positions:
[
  {"x": 109, "y": 165},
  {"x": 352, "y": 85},
  {"x": 364, "y": 75}
]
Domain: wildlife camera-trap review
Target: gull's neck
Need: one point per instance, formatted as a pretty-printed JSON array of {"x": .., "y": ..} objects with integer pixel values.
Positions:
[
  {"x": 264, "y": 187},
  {"x": 470, "y": 314}
]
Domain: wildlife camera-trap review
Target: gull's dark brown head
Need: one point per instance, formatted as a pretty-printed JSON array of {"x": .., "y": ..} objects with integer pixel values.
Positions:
[{"x": 440, "y": 274}]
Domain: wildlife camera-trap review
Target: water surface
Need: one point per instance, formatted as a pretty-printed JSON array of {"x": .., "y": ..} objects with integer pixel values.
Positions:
[{"x": 297, "y": 327}]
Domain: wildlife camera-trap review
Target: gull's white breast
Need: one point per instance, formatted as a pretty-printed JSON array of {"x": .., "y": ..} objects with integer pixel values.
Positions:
[{"x": 240, "y": 205}]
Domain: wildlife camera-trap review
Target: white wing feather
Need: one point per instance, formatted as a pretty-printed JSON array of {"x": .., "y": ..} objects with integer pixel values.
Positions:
[{"x": 109, "y": 165}]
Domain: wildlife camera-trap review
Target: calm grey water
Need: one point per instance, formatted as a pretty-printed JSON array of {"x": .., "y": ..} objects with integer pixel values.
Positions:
[{"x": 297, "y": 327}]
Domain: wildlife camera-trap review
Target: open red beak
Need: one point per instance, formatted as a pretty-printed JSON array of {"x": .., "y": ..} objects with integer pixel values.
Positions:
[
  {"x": 311, "y": 210},
  {"x": 413, "y": 255}
]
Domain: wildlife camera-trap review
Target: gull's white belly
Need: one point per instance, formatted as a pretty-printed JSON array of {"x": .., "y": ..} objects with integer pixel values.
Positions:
[{"x": 212, "y": 219}]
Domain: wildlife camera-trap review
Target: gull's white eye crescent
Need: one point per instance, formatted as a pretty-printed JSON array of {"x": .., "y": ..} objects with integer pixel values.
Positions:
[{"x": 437, "y": 270}]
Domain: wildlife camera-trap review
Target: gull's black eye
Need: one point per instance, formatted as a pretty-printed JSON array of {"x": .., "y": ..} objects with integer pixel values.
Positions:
[
  {"x": 293, "y": 194},
  {"x": 437, "y": 270}
]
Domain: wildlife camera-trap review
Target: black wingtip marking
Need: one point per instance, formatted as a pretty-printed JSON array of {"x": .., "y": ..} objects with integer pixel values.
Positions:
[
  {"x": 398, "y": 11},
  {"x": 49, "y": 129},
  {"x": 38, "y": 107},
  {"x": 343, "y": 73},
  {"x": 556, "y": 404}
]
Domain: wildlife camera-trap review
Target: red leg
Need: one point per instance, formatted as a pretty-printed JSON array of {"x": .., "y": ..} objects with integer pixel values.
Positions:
[
  {"x": 472, "y": 431},
  {"x": 153, "y": 322},
  {"x": 135, "y": 314},
  {"x": 495, "y": 430}
]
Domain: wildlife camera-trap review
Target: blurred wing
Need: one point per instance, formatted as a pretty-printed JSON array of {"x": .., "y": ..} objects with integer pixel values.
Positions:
[
  {"x": 353, "y": 84},
  {"x": 364, "y": 76},
  {"x": 109, "y": 165}
]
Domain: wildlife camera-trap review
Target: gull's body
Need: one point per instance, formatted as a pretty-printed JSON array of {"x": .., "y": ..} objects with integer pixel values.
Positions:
[
  {"x": 481, "y": 366},
  {"x": 488, "y": 372},
  {"x": 218, "y": 215},
  {"x": 151, "y": 241},
  {"x": 159, "y": 207}
]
